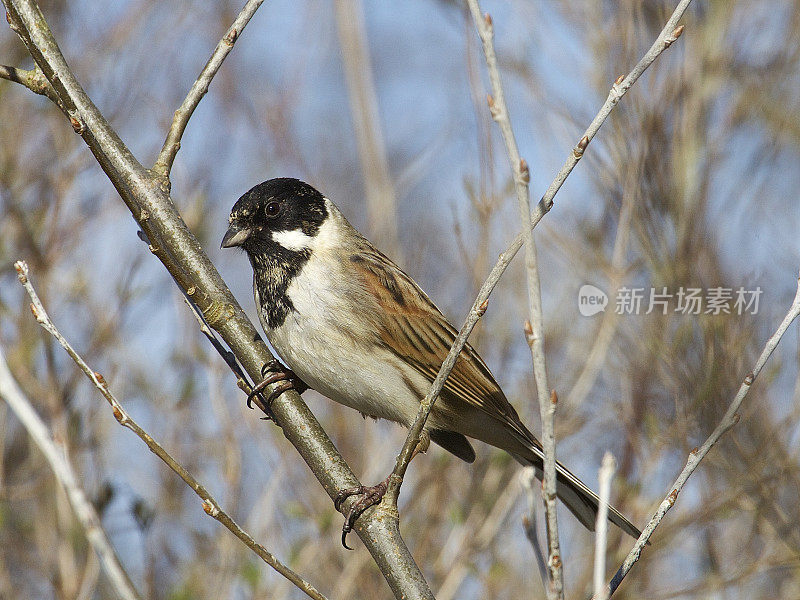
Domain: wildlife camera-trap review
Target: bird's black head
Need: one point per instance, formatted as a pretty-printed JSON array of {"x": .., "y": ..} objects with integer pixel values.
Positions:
[{"x": 280, "y": 211}]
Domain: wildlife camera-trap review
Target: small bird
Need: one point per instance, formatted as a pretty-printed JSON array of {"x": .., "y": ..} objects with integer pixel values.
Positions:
[{"x": 350, "y": 324}]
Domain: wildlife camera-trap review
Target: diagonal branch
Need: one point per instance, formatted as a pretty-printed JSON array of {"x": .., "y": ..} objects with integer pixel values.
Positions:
[
  {"x": 481, "y": 301},
  {"x": 81, "y": 505},
  {"x": 665, "y": 39},
  {"x": 172, "y": 144},
  {"x": 730, "y": 419},
  {"x": 210, "y": 505},
  {"x": 147, "y": 197}
]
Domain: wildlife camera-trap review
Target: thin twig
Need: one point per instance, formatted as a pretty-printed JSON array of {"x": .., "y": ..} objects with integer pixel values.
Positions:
[
  {"x": 534, "y": 331},
  {"x": 665, "y": 39},
  {"x": 474, "y": 314},
  {"x": 730, "y": 419},
  {"x": 34, "y": 80},
  {"x": 81, "y": 505},
  {"x": 605, "y": 474},
  {"x": 172, "y": 144},
  {"x": 527, "y": 479},
  {"x": 210, "y": 505}
]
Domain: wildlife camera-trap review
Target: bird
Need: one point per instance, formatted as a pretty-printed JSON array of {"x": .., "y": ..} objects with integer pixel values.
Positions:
[{"x": 352, "y": 325}]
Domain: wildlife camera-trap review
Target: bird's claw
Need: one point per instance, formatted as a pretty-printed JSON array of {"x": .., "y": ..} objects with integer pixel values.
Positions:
[
  {"x": 370, "y": 496},
  {"x": 271, "y": 372}
]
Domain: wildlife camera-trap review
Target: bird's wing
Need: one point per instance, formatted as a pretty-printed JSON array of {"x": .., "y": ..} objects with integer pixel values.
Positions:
[{"x": 415, "y": 330}]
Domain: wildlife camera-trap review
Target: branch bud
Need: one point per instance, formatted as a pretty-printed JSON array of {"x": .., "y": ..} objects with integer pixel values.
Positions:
[
  {"x": 77, "y": 124},
  {"x": 493, "y": 107},
  {"x": 487, "y": 18},
  {"x": 553, "y": 397},
  {"x": 676, "y": 33},
  {"x": 528, "y": 329},
  {"x": 578, "y": 151},
  {"x": 482, "y": 308},
  {"x": 619, "y": 80},
  {"x": 231, "y": 37},
  {"x": 524, "y": 171}
]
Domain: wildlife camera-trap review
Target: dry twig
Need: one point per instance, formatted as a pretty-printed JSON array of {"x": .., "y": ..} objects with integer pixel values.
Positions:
[
  {"x": 210, "y": 505},
  {"x": 172, "y": 144},
  {"x": 605, "y": 474},
  {"x": 81, "y": 505}
]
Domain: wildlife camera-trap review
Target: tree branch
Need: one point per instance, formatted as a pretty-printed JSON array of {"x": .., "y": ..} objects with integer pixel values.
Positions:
[
  {"x": 504, "y": 260},
  {"x": 730, "y": 419},
  {"x": 534, "y": 328},
  {"x": 82, "y": 507},
  {"x": 34, "y": 80},
  {"x": 148, "y": 199},
  {"x": 172, "y": 144},
  {"x": 210, "y": 505},
  {"x": 665, "y": 39}
]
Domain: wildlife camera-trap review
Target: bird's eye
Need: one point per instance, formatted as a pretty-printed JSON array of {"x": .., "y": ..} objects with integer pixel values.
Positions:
[{"x": 273, "y": 208}]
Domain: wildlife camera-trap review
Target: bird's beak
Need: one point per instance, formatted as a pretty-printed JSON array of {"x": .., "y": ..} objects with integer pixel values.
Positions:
[{"x": 235, "y": 236}]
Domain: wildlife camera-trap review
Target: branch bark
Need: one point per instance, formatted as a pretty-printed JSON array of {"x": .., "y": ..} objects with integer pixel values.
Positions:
[{"x": 147, "y": 197}]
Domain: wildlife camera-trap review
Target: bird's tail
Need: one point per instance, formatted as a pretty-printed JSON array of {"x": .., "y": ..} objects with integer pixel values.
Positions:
[{"x": 579, "y": 499}]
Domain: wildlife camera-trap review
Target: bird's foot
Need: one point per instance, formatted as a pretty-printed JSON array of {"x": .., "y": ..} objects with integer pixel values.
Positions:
[
  {"x": 370, "y": 496},
  {"x": 271, "y": 372}
]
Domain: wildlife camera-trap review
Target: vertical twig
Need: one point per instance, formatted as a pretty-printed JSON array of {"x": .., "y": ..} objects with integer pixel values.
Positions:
[
  {"x": 605, "y": 474},
  {"x": 534, "y": 329}
]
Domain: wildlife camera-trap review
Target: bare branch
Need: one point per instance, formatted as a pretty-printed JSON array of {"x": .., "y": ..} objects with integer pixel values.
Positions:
[
  {"x": 172, "y": 144},
  {"x": 81, "y": 505},
  {"x": 605, "y": 474},
  {"x": 475, "y": 313},
  {"x": 34, "y": 80},
  {"x": 147, "y": 197},
  {"x": 210, "y": 505},
  {"x": 730, "y": 419},
  {"x": 534, "y": 330},
  {"x": 665, "y": 39}
]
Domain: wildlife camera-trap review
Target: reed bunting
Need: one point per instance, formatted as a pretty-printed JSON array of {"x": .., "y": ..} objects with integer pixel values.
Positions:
[{"x": 352, "y": 325}]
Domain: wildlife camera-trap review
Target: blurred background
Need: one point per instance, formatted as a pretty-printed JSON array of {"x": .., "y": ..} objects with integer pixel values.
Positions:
[{"x": 691, "y": 183}]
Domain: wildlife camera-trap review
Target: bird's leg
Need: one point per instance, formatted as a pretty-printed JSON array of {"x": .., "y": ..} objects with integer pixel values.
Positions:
[
  {"x": 271, "y": 372},
  {"x": 370, "y": 495}
]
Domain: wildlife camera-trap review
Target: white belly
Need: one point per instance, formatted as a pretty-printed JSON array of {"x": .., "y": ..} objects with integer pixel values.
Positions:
[{"x": 319, "y": 345}]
